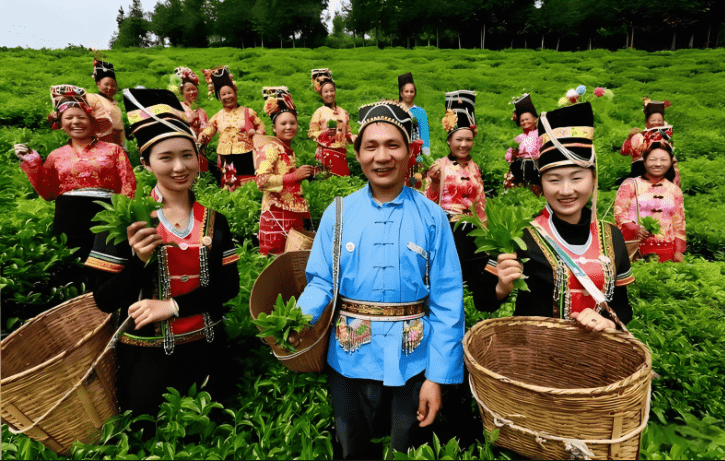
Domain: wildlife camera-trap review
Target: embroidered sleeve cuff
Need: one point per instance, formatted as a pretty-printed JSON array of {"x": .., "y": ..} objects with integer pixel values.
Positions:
[
  {"x": 624, "y": 279},
  {"x": 230, "y": 257}
]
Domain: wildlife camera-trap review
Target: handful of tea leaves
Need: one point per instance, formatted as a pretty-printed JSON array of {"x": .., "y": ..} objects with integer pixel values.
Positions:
[
  {"x": 284, "y": 323},
  {"x": 332, "y": 123},
  {"x": 650, "y": 224},
  {"x": 503, "y": 233},
  {"x": 121, "y": 213}
]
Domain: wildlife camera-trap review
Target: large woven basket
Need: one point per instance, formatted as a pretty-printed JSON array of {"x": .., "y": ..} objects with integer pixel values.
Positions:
[
  {"x": 286, "y": 276},
  {"x": 556, "y": 391},
  {"x": 58, "y": 376}
]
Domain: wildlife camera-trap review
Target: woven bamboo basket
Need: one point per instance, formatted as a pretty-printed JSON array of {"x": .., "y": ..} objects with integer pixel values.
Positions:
[
  {"x": 555, "y": 391},
  {"x": 286, "y": 276},
  {"x": 58, "y": 376},
  {"x": 299, "y": 240}
]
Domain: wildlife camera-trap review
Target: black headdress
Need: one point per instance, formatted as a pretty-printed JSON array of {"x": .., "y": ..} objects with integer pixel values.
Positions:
[
  {"x": 388, "y": 112},
  {"x": 404, "y": 80},
  {"x": 155, "y": 115},
  {"x": 102, "y": 69},
  {"x": 460, "y": 112},
  {"x": 523, "y": 105},
  {"x": 566, "y": 136}
]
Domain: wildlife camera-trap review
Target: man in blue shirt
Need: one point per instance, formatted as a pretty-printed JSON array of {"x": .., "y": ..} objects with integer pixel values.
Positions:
[{"x": 401, "y": 323}]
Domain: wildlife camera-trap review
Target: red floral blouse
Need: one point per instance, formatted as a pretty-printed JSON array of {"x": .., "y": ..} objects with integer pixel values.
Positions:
[
  {"x": 99, "y": 165},
  {"x": 461, "y": 188},
  {"x": 275, "y": 165}
]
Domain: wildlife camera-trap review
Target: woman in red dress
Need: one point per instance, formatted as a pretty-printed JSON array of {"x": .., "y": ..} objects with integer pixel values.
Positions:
[
  {"x": 522, "y": 172},
  {"x": 83, "y": 171},
  {"x": 330, "y": 126},
  {"x": 236, "y": 126},
  {"x": 653, "y": 194},
  {"x": 283, "y": 206}
]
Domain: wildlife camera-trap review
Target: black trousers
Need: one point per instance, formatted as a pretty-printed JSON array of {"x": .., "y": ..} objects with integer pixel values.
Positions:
[{"x": 363, "y": 406}]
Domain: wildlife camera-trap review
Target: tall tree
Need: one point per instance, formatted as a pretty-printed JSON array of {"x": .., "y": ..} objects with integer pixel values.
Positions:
[{"x": 134, "y": 29}]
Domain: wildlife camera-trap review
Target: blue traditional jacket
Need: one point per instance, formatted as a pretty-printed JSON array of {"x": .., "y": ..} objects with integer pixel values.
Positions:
[
  {"x": 423, "y": 130},
  {"x": 386, "y": 251}
]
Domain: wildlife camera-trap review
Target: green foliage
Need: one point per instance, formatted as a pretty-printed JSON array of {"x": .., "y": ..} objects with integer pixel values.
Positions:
[
  {"x": 678, "y": 308},
  {"x": 651, "y": 225},
  {"x": 121, "y": 213},
  {"x": 284, "y": 323}
]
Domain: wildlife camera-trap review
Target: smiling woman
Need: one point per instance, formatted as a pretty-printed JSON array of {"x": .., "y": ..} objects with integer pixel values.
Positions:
[
  {"x": 81, "y": 172},
  {"x": 176, "y": 318},
  {"x": 576, "y": 266}
]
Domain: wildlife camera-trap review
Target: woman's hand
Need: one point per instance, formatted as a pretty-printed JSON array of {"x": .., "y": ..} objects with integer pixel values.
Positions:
[
  {"x": 509, "y": 269},
  {"x": 591, "y": 321},
  {"x": 429, "y": 402},
  {"x": 678, "y": 257},
  {"x": 143, "y": 240},
  {"x": 641, "y": 233},
  {"x": 303, "y": 172},
  {"x": 22, "y": 152},
  {"x": 203, "y": 138},
  {"x": 148, "y": 311},
  {"x": 434, "y": 173}
]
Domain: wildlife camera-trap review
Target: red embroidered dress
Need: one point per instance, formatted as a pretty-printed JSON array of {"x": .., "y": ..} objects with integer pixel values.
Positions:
[
  {"x": 461, "y": 188},
  {"x": 331, "y": 150},
  {"x": 596, "y": 258},
  {"x": 198, "y": 120},
  {"x": 663, "y": 201},
  {"x": 99, "y": 165},
  {"x": 283, "y": 205}
]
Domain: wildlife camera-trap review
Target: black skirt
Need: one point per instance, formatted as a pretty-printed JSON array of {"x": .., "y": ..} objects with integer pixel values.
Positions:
[
  {"x": 73, "y": 217},
  {"x": 243, "y": 163},
  {"x": 524, "y": 171}
]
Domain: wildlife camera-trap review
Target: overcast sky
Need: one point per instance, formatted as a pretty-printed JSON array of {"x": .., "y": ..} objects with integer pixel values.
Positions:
[{"x": 55, "y": 24}]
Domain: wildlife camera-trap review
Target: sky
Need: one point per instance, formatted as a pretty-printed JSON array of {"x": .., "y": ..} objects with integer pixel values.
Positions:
[{"x": 55, "y": 24}]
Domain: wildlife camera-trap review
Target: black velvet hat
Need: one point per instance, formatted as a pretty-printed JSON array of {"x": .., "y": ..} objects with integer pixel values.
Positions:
[
  {"x": 217, "y": 78},
  {"x": 460, "y": 112},
  {"x": 653, "y": 107},
  {"x": 404, "y": 80},
  {"x": 566, "y": 136},
  {"x": 155, "y": 115},
  {"x": 103, "y": 69},
  {"x": 389, "y": 112},
  {"x": 523, "y": 105}
]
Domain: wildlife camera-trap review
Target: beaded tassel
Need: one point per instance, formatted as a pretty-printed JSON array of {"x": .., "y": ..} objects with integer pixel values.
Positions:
[
  {"x": 608, "y": 269},
  {"x": 412, "y": 335},
  {"x": 168, "y": 338},
  {"x": 204, "y": 266},
  {"x": 164, "y": 276},
  {"x": 208, "y": 327}
]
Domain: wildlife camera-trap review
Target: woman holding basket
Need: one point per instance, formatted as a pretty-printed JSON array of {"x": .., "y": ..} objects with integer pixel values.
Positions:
[
  {"x": 575, "y": 265},
  {"x": 175, "y": 337}
]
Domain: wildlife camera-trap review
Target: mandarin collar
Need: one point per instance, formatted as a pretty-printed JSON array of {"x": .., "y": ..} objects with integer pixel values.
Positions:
[{"x": 396, "y": 201}]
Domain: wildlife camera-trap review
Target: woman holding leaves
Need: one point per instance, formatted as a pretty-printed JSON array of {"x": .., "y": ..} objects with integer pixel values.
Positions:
[
  {"x": 656, "y": 130},
  {"x": 454, "y": 182},
  {"x": 81, "y": 172},
  {"x": 185, "y": 83},
  {"x": 236, "y": 126},
  {"x": 283, "y": 206},
  {"x": 654, "y": 195},
  {"x": 184, "y": 268},
  {"x": 522, "y": 172},
  {"x": 330, "y": 126},
  {"x": 103, "y": 103},
  {"x": 575, "y": 265}
]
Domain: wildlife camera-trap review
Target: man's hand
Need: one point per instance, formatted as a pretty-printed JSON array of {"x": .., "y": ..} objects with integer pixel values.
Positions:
[{"x": 429, "y": 402}]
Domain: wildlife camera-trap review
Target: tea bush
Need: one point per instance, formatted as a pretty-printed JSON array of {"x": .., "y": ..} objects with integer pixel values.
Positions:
[{"x": 678, "y": 308}]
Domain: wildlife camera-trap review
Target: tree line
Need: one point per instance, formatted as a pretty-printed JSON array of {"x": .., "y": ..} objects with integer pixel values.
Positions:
[{"x": 486, "y": 24}]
